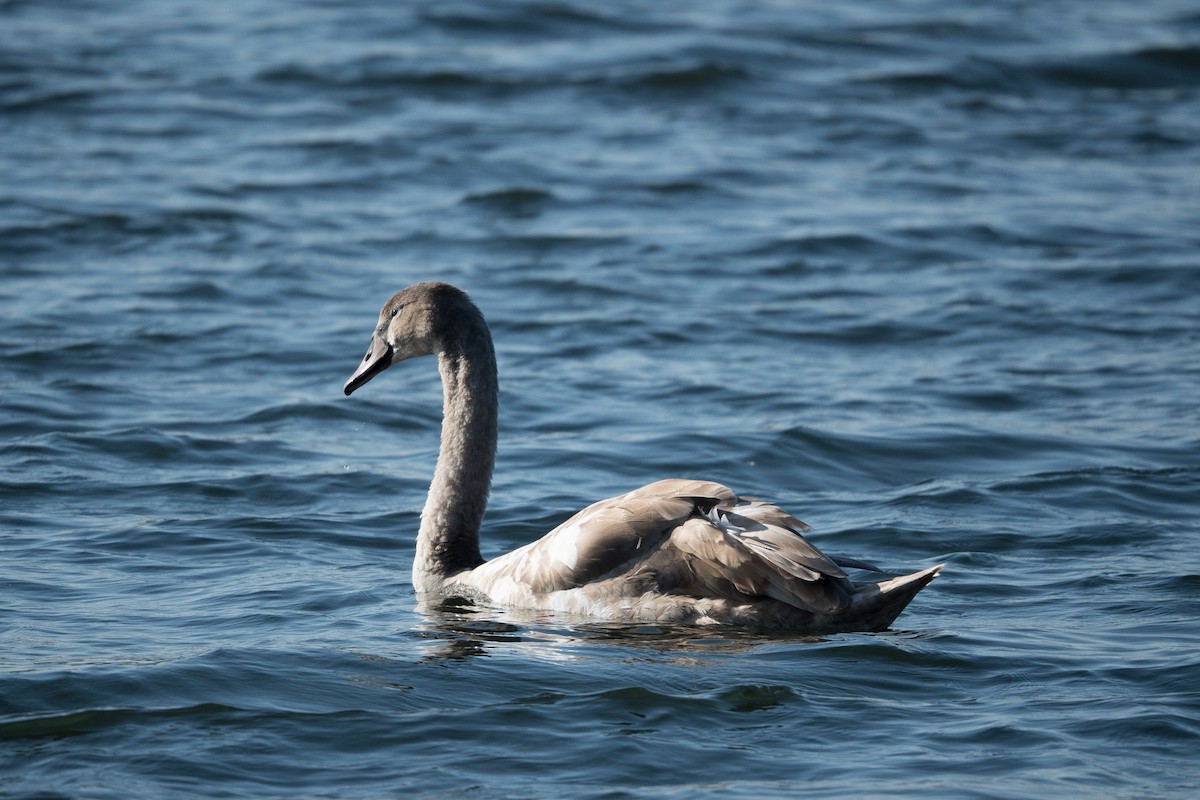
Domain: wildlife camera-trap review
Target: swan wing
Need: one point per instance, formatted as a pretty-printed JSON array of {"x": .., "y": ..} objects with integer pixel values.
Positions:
[
  {"x": 682, "y": 537},
  {"x": 606, "y": 538}
]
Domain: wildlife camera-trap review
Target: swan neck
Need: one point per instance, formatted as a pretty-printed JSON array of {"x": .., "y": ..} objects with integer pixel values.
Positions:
[{"x": 448, "y": 541}]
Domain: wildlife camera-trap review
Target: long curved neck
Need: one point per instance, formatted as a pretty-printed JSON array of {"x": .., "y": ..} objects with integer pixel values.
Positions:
[{"x": 448, "y": 541}]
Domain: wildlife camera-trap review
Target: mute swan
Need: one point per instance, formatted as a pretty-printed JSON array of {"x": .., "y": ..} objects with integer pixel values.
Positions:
[{"x": 676, "y": 551}]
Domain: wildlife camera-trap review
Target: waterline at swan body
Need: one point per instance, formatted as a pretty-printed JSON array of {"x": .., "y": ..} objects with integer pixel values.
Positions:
[{"x": 676, "y": 551}]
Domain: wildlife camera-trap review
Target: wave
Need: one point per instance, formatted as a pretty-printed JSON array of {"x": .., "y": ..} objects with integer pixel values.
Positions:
[
  {"x": 680, "y": 74},
  {"x": 1146, "y": 68},
  {"x": 75, "y": 226}
]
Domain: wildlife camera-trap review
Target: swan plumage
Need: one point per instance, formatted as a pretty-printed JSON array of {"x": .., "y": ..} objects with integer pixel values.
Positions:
[{"x": 676, "y": 551}]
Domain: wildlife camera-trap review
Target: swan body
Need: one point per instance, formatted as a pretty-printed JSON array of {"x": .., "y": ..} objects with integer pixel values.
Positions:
[{"x": 675, "y": 551}]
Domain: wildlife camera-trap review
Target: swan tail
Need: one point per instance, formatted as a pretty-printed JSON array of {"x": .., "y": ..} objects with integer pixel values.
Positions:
[{"x": 876, "y": 605}]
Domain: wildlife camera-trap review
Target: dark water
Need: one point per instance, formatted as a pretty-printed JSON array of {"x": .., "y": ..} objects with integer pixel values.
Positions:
[{"x": 926, "y": 273}]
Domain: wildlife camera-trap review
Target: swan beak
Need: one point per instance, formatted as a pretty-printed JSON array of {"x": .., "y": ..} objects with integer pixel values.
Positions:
[{"x": 377, "y": 359}]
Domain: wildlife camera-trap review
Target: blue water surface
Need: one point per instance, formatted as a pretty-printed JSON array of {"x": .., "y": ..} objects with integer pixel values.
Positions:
[{"x": 926, "y": 273}]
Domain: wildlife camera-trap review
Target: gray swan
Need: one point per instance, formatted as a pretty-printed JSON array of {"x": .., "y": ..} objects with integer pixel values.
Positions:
[{"x": 674, "y": 552}]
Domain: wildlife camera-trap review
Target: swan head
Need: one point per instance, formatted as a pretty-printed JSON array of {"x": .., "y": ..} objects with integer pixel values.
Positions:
[{"x": 418, "y": 321}]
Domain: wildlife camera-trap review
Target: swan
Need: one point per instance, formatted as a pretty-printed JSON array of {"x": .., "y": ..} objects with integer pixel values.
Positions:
[{"x": 675, "y": 552}]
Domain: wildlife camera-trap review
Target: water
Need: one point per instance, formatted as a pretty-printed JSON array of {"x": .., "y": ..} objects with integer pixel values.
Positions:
[{"x": 925, "y": 273}]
